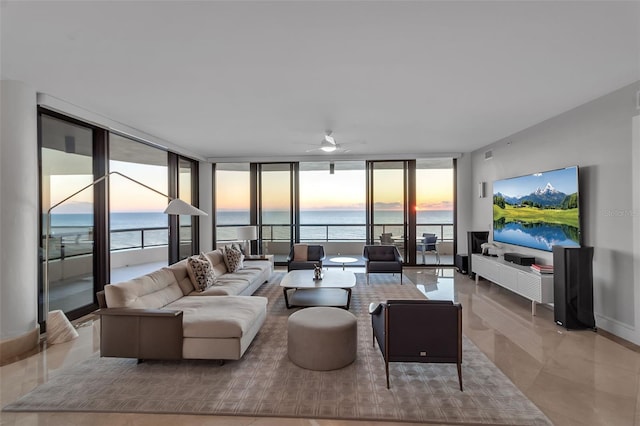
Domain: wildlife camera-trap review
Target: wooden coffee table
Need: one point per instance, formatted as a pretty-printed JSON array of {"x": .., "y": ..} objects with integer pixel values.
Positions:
[{"x": 334, "y": 289}]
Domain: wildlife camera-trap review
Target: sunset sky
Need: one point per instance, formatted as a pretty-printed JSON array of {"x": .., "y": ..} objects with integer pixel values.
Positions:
[
  {"x": 318, "y": 190},
  {"x": 343, "y": 190},
  {"x": 126, "y": 196}
]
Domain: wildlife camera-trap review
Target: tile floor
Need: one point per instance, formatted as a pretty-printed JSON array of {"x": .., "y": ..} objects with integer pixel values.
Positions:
[{"x": 574, "y": 377}]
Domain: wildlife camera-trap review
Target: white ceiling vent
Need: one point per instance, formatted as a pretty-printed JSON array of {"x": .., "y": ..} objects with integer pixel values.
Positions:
[{"x": 488, "y": 155}]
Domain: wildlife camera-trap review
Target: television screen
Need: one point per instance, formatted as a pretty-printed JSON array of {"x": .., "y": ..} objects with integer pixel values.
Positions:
[{"x": 538, "y": 211}]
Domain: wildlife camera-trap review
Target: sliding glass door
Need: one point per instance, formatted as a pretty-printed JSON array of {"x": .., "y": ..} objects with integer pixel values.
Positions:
[
  {"x": 276, "y": 208},
  {"x": 342, "y": 205},
  {"x": 387, "y": 203},
  {"x": 232, "y": 200},
  {"x": 138, "y": 228},
  {"x": 80, "y": 249},
  {"x": 67, "y": 162},
  {"x": 435, "y": 210},
  {"x": 332, "y": 204}
]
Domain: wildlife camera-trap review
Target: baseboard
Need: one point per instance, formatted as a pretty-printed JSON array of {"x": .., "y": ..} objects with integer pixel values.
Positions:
[
  {"x": 14, "y": 348},
  {"x": 617, "y": 328}
]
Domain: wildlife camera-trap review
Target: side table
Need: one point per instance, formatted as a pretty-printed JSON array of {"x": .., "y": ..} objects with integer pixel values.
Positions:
[{"x": 343, "y": 260}]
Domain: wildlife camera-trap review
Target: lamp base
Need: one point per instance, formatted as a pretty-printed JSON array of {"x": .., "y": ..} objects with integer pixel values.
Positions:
[{"x": 59, "y": 328}]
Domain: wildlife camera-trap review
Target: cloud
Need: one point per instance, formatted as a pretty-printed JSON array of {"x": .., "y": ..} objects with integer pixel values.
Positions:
[
  {"x": 439, "y": 205},
  {"x": 388, "y": 206}
]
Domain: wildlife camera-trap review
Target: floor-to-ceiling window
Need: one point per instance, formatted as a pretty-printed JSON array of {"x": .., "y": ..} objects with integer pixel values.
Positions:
[
  {"x": 332, "y": 205},
  {"x": 387, "y": 203},
  {"x": 67, "y": 157},
  {"x": 276, "y": 207},
  {"x": 232, "y": 199},
  {"x": 139, "y": 230},
  {"x": 75, "y": 155},
  {"x": 435, "y": 208},
  {"x": 340, "y": 204}
]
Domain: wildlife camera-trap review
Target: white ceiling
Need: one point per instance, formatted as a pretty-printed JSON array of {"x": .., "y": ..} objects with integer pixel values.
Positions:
[{"x": 262, "y": 79}]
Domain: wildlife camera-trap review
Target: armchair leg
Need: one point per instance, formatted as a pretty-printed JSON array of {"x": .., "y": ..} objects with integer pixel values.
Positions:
[{"x": 460, "y": 375}]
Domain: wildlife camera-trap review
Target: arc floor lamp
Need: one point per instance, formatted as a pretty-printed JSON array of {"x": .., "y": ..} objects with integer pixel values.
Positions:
[{"x": 59, "y": 328}]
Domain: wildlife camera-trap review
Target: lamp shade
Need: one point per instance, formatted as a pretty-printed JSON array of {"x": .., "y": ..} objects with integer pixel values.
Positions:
[
  {"x": 247, "y": 233},
  {"x": 179, "y": 207}
]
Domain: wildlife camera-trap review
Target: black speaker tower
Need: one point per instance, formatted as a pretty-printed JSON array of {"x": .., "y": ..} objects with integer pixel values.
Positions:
[
  {"x": 474, "y": 241},
  {"x": 573, "y": 287}
]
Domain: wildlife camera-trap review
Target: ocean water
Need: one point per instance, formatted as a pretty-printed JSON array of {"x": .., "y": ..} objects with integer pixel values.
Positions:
[{"x": 128, "y": 229}]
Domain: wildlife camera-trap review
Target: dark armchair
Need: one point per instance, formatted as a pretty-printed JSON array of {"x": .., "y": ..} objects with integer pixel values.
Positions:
[
  {"x": 382, "y": 259},
  {"x": 314, "y": 256},
  {"x": 428, "y": 331}
]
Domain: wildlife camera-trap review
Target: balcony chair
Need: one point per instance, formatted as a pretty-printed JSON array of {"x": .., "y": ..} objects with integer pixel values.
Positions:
[
  {"x": 305, "y": 256},
  {"x": 428, "y": 244},
  {"x": 427, "y": 331},
  {"x": 385, "y": 238},
  {"x": 382, "y": 259}
]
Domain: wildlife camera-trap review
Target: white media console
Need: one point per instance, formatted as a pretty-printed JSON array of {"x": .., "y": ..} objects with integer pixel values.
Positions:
[{"x": 520, "y": 279}]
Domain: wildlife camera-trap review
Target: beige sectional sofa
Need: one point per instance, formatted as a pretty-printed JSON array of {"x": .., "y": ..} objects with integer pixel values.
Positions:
[{"x": 161, "y": 316}]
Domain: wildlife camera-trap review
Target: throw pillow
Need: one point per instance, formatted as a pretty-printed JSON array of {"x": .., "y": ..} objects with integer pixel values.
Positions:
[
  {"x": 300, "y": 252},
  {"x": 200, "y": 272},
  {"x": 233, "y": 259}
]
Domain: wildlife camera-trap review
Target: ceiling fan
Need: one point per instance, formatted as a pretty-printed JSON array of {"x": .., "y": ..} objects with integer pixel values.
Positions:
[{"x": 328, "y": 144}]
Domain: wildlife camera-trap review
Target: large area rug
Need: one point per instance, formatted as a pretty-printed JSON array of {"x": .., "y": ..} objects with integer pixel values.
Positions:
[{"x": 265, "y": 383}]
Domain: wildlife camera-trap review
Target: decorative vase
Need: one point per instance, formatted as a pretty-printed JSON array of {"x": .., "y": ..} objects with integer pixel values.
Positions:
[{"x": 317, "y": 272}]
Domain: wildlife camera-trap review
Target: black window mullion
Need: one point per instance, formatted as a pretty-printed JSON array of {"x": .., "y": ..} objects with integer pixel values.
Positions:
[
  {"x": 174, "y": 230},
  {"x": 101, "y": 247}
]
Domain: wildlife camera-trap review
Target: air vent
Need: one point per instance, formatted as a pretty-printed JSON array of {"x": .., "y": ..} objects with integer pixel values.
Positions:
[{"x": 488, "y": 155}]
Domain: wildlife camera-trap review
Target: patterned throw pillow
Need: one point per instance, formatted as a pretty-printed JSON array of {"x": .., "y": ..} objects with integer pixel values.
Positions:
[
  {"x": 233, "y": 259},
  {"x": 200, "y": 272}
]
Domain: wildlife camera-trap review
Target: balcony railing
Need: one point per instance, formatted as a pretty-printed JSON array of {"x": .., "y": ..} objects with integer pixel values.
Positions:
[
  {"x": 69, "y": 241},
  {"x": 77, "y": 241},
  {"x": 335, "y": 232}
]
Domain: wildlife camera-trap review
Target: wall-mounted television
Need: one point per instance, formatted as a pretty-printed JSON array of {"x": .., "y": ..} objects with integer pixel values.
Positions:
[{"x": 538, "y": 210}]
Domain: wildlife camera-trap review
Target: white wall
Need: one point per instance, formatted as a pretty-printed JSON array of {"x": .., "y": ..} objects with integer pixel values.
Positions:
[
  {"x": 464, "y": 196},
  {"x": 18, "y": 210},
  {"x": 597, "y": 137},
  {"x": 636, "y": 211}
]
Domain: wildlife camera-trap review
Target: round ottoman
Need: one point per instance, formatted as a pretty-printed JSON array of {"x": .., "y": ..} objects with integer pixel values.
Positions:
[{"x": 322, "y": 338}]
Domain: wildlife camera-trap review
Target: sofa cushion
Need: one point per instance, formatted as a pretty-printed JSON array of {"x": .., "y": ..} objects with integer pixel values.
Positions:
[
  {"x": 231, "y": 284},
  {"x": 153, "y": 290},
  {"x": 179, "y": 270},
  {"x": 200, "y": 272},
  {"x": 219, "y": 317},
  {"x": 217, "y": 261},
  {"x": 237, "y": 283}
]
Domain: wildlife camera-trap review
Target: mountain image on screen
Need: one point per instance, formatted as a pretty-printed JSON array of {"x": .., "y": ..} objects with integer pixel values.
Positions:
[
  {"x": 538, "y": 211},
  {"x": 547, "y": 197}
]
